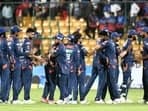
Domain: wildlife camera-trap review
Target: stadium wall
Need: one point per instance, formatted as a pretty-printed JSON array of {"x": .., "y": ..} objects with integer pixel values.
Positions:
[{"x": 38, "y": 71}]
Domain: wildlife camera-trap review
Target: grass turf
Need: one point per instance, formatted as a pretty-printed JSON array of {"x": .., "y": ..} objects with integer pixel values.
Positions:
[{"x": 134, "y": 94}]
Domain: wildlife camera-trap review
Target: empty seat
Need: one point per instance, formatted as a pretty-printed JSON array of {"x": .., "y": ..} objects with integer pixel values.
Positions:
[{"x": 38, "y": 23}]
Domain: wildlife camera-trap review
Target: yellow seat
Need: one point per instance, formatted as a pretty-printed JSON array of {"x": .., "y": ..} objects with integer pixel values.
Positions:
[
  {"x": 87, "y": 61},
  {"x": 46, "y": 33},
  {"x": 64, "y": 30},
  {"x": 121, "y": 42},
  {"x": 76, "y": 24},
  {"x": 45, "y": 42},
  {"x": 27, "y": 21},
  {"x": 61, "y": 23},
  {"x": 85, "y": 42},
  {"x": 24, "y": 29},
  {"x": 92, "y": 43},
  {"x": 72, "y": 29},
  {"x": 91, "y": 59},
  {"x": 38, "y": 23},
  {"x": 39, "y": 29},
  {"x": 22, "y": 34},
  {"x": 69, "y": 24},
  {"x": 46, "y": 23},
  {"x": 54, "y": 31},
  {"x": 53, "y": 23}
]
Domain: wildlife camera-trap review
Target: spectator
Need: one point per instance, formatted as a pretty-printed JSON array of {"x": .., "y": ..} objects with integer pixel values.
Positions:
[
  {"x": 139, "y": 25},
  {"x": 62, "y": 9},
  {"x": 111, "y": 23},
  {"x": 7, "y": 14},
  {"x": 19, "y": 12},
  {"x": 41, "y": 11},
  {"x": 92, "y": 23},
  {"x": 107, "y": 7},
  {"x": 121, "y": 21},
  {"x": 115, "y": 8},
  {"x": 86, "y": 8},
  {"x": 102, "y": 24},
  {"x": 133, "y": 13},
  {"x": 76, "y": 10},
  {"x": 99, "y": 9},
  {"x": 146, "y": 10},
  {"x": 53, "y": 8},
  {"x": 106, "y": 13}
]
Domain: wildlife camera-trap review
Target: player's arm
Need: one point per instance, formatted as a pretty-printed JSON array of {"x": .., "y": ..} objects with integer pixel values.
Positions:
[
  {"x": 125, "y": 49},
  {"x": 144, "y": 55},
  {"x": 97, "y": 47}
]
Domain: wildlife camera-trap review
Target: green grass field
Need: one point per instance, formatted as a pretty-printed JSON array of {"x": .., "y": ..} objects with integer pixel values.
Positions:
[{"x": 134, "y": 94}]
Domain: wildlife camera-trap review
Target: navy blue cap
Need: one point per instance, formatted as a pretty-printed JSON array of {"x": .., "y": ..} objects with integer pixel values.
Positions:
[
  {"x": 145, "y": 29},
  {"x": 59, "y": 36},
  {"x": 2, "y": 30},
  {"x": 115, "y": 35},
  {"x": 104, "y": 32},
  {"x": 15, "y": 29},
  {"x": 132, "y": 32},
  {"x": 71, "y": 37}
]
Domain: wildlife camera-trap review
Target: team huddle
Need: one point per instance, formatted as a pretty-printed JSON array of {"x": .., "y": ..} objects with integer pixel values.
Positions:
[{"x": 65, "y": 67}]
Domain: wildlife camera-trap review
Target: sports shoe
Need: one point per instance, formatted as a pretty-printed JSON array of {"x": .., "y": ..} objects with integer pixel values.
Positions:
[
  {"x": 73, "y": 102},
  {"x": 43, "y": 100},
  {"x": 66, "y": 100},
  {"x": 99, "y": 101},
  {"x": 51, "y": 102},
  {"x": 16, "y": 102},
  {"x": 28, "y": 101},
  {"x": 146, "y": 102},
  {"x": 6, "y": 102},
  {"x": 60, "y": 102},
  {"x": 122, "y": 100},
  {"x": 143, "y": 101},
  {"x": 117, "y": 101},
  {"x": 70, "y": 97},
  {"x": 1, "y": 101}
]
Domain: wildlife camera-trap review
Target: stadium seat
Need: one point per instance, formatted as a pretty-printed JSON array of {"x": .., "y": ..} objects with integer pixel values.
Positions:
[
  {"x": 38, "y": 23},
  {"x": 27, "y": 21},
  {"x": 53, "y": 23},
  {"x": 85, "y": 42},
  {"x": 64, "y": 30},
  {"x": 54, "y": 31},
  {"x": 22, "y": 35},
  {"x": 121, "y": 42},
  {"x": 61, "y": 23},
  {"x": 92, "y": 43},
  {"x": 45, "y": 44},
  {"x": 46, "y": 32},
  {"x": 46, "y": 23}
]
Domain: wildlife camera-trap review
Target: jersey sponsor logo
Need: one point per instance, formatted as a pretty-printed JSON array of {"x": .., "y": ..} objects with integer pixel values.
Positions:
[{"x": 69, "y": 54}]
